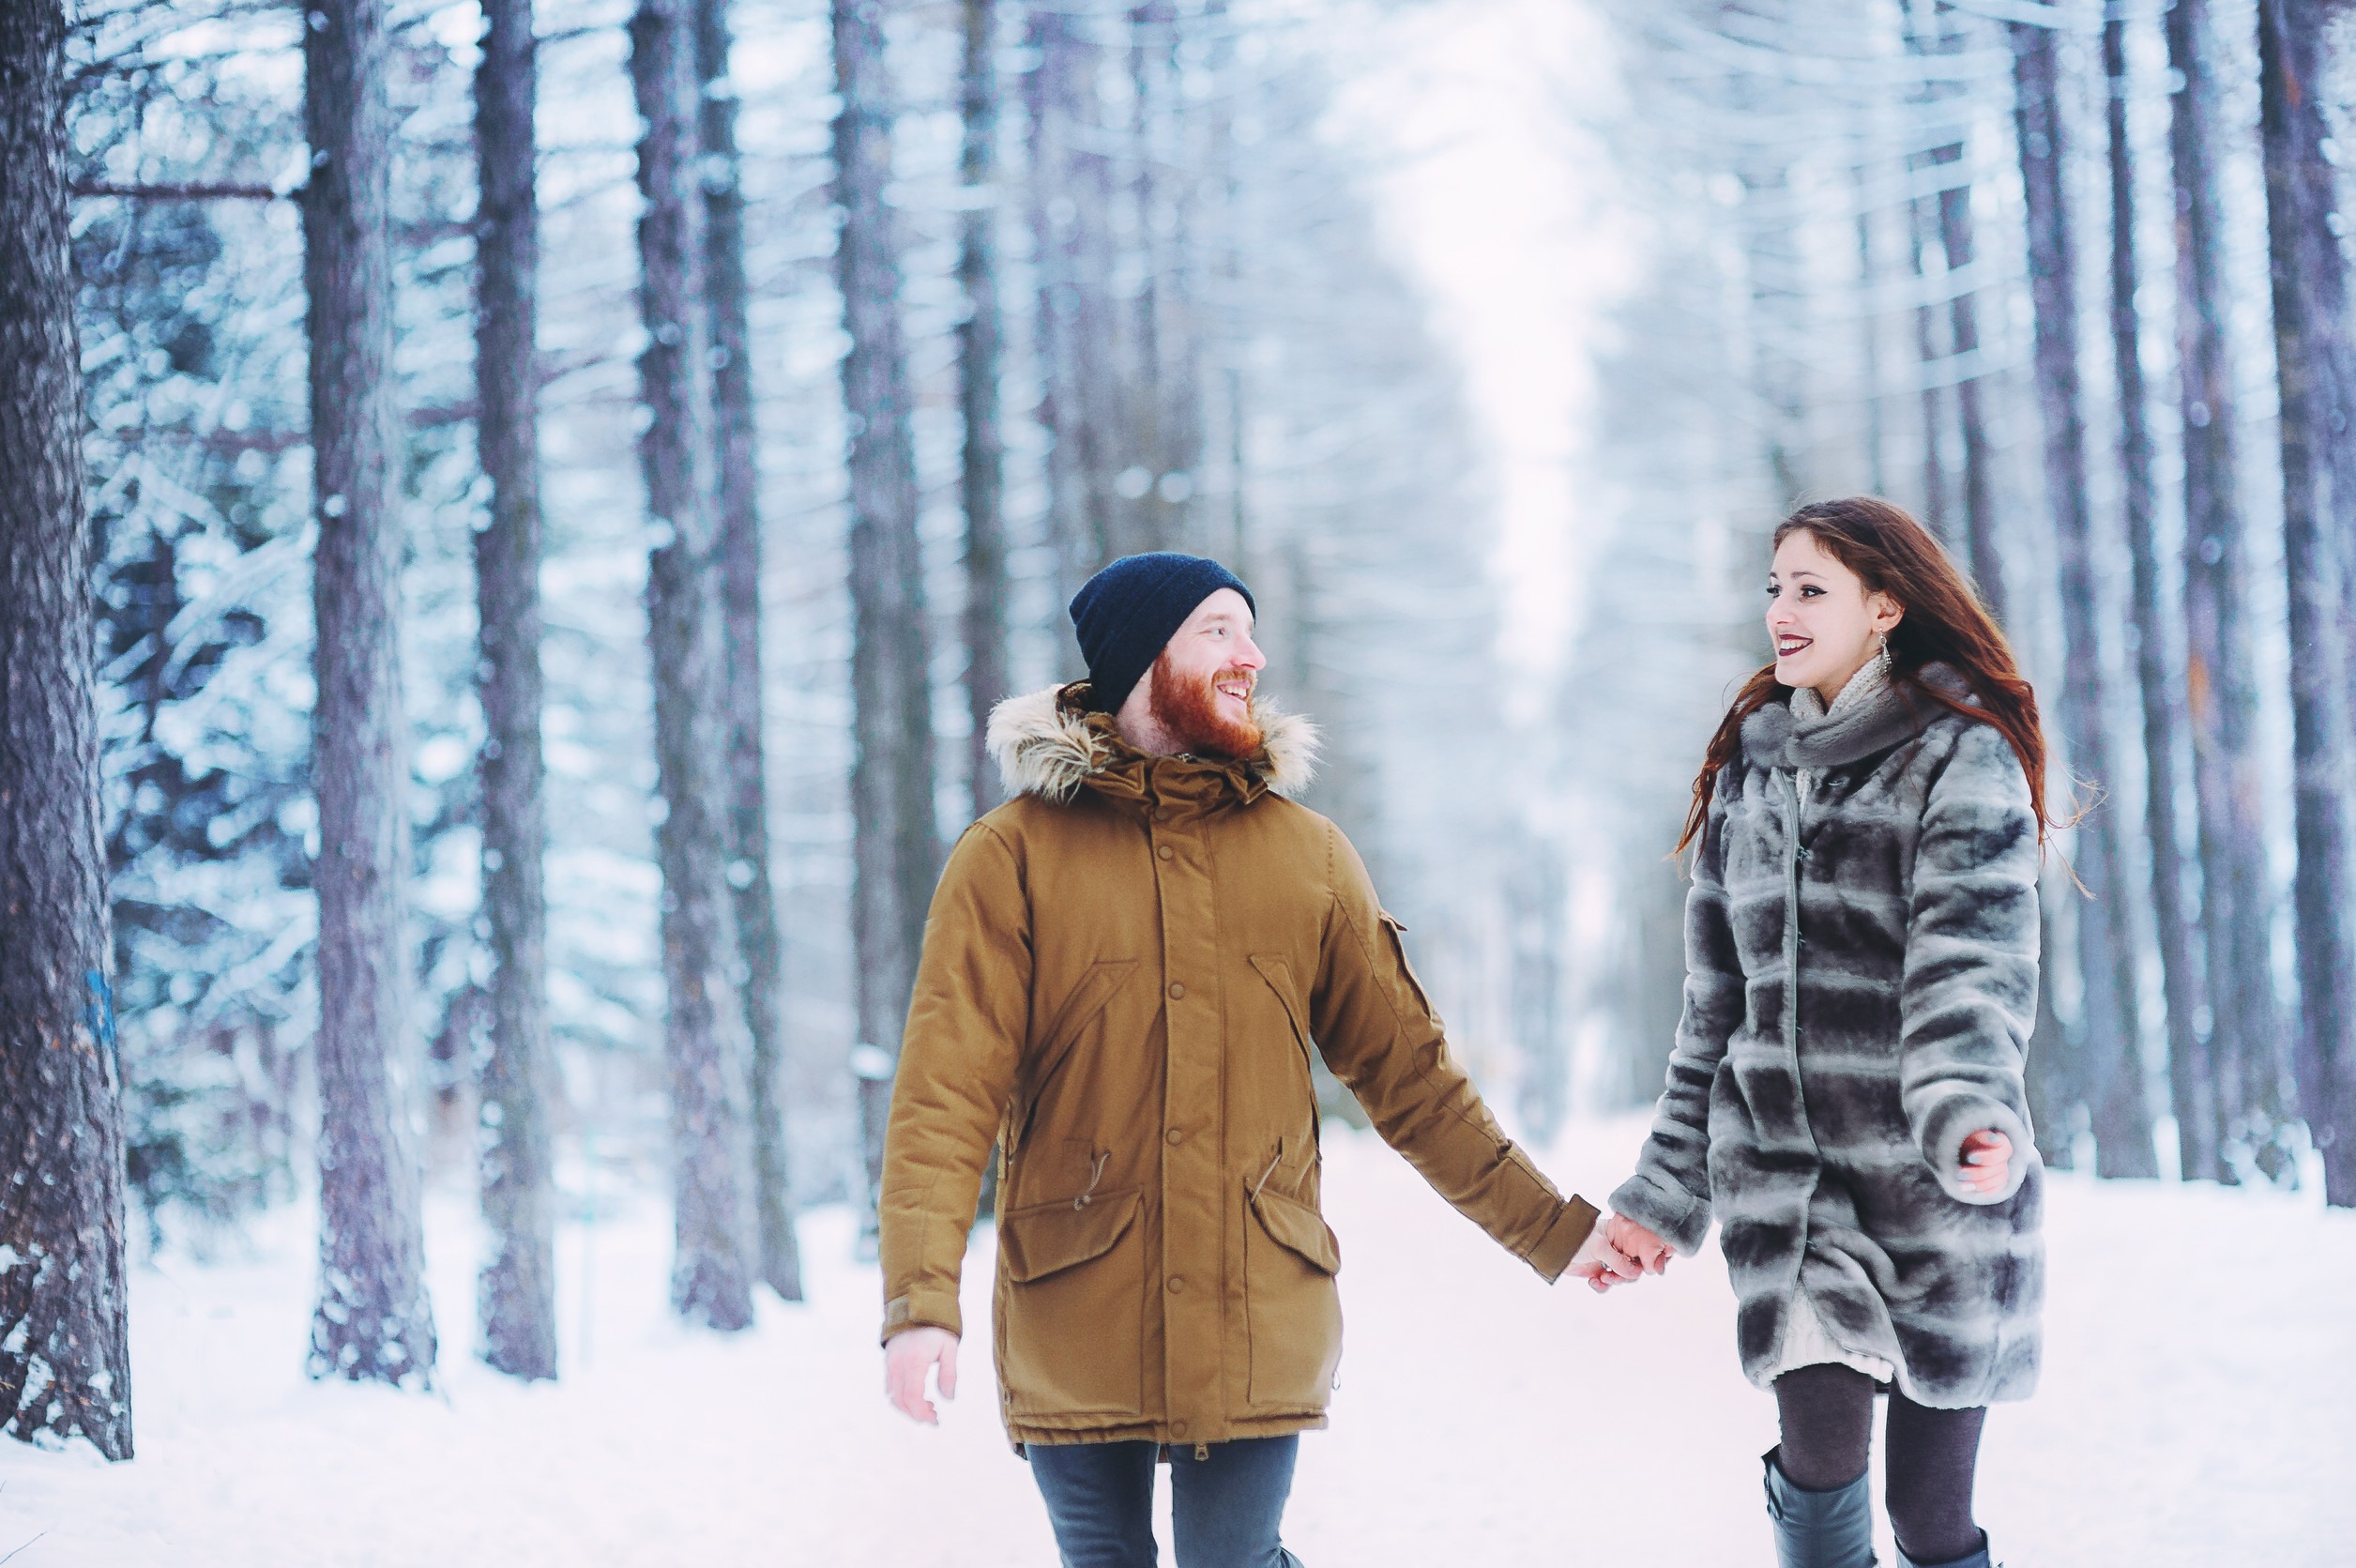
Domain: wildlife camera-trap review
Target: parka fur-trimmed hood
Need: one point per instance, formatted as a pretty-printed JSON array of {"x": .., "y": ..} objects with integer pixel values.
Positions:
[{"x": 1048, "y": 743}]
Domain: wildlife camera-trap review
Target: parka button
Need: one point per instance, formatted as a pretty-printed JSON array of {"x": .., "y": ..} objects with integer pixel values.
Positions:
[
  {"x": 1178, "y": 1430},
  {"x": 1178, "y": 991},
  {"x": 1162, "y": 813},
  {"x": 1174, "y": 1137},
  {"x": 1164, "y": 852},
  {"x": 1176, "y": 1284}
]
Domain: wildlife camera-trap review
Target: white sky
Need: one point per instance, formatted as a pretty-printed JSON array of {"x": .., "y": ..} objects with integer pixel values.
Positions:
[{"x": 1497, "y": 190}]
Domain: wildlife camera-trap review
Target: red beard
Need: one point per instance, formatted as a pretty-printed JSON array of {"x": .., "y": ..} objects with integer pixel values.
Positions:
[{"x": 1193, "y": 713}]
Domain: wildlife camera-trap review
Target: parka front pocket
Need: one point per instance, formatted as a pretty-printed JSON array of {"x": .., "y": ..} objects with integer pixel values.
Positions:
[
  {"x": 1071, "y": 1317},
  {"x": 1292, "y": 1309}
]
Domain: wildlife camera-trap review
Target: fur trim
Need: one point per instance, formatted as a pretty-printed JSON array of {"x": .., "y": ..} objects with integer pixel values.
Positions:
[{"x": 1045, "y": 745}]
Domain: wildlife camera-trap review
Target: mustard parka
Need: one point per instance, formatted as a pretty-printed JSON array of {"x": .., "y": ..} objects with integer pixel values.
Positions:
[{"x": 1125, "y": 970}]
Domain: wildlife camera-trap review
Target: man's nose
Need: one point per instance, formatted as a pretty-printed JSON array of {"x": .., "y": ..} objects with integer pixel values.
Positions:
[{"x": 1250, "y": 657}]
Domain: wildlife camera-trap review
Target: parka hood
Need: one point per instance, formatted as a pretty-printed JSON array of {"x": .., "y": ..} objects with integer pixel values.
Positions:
[{"x": 1049, "y": 742}]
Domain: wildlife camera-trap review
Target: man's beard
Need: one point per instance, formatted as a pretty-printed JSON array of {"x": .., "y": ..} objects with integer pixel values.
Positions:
[{"x": 1193, "y": 714}]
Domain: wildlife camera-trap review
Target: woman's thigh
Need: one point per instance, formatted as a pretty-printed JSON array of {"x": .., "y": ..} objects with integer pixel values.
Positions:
[
  {"x": 1827, "y": 1414},
  {"x": 1100, "y": 1499}
]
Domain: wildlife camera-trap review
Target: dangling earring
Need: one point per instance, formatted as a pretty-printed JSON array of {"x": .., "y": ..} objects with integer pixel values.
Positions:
[{"x": 1885, "y": 655}]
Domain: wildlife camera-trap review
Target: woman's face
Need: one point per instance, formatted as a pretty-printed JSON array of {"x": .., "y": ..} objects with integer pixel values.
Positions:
[{"x": 1823, "y": 623}]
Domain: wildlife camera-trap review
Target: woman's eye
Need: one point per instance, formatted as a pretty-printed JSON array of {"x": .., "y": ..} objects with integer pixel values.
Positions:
[
  {"x": 1772, "y": 591},
  {"x": 1811, "y": 591}
]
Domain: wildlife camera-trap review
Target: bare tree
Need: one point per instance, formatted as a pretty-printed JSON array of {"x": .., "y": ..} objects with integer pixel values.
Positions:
[
  {"x": 896, "y": 848},
  {"x": 2246, "y": 1020},
  {"x": 983, "y": 481},
  {"x": 2316, "y": 363},
  {"x": 2192, "y": 1092},
  {"x": 517, "y": 1293},
  {"x": 373, "y": 1321},
  {"x": 704, "y": 1037},
  {"x": 739, "y": 500},
  {"x": 65, "y": 1359}
]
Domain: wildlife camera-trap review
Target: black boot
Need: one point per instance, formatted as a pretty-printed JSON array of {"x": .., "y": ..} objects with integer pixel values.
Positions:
[{"x": 1819, "y": 1530}]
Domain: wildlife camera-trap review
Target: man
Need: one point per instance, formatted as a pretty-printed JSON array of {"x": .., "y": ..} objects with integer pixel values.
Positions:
[{"x": 1125, "y": 970}]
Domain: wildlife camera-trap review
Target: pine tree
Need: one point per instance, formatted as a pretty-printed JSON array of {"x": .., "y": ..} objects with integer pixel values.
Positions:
[
  {"x": 517, "y": 1293},
  {"x": 707, "y": 1044},
  {"x": 2107, "y": 1011},
  {"x": 373, "y": 1321},
  {"x": 64, "y": 1361},
  {"x": 2317, "y": 362}
]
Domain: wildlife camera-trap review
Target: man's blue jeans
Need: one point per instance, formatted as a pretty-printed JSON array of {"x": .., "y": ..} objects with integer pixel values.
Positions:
[{"x": 1225, "y": 1508}]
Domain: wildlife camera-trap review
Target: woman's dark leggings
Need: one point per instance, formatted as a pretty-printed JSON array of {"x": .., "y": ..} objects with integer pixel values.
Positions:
[{"x": 1828, "y": 1417}]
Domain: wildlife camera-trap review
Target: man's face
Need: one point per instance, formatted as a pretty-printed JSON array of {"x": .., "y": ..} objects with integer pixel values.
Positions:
[{"x": 1201, "y": 686}]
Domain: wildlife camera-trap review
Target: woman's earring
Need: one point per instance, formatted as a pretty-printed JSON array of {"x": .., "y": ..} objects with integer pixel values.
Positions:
[{"x": 1885, "y": 655}]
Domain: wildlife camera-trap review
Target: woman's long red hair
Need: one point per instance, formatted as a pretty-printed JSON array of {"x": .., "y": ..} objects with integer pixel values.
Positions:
[{"x": 1944, "y": 624}]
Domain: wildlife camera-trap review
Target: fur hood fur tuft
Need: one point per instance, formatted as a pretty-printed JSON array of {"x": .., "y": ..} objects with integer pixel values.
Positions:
[{"x": 1047, "y": 744}]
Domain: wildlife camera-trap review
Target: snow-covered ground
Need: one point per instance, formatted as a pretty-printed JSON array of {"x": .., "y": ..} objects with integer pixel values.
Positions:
[{"x": 2199, "y": 1408}]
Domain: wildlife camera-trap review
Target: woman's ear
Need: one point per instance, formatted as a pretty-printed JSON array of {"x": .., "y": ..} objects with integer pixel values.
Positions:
[{"x": 1888, "y": 612}]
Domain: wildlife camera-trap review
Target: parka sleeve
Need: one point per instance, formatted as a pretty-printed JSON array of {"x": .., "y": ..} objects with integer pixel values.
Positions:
[
  {"x": 1968, "y": 995},
  {"x": 958, "y": 1059},
  {"x": 1669, "y": 1194},
  {"x": 1376, "y": 1030}
]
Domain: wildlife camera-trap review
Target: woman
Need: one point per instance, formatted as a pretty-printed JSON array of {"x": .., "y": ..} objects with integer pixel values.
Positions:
[{"x": 1845, "y": 1097}]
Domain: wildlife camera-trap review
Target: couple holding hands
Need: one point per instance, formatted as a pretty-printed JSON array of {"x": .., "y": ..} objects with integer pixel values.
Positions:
[{"x": 1126, "y": 967}]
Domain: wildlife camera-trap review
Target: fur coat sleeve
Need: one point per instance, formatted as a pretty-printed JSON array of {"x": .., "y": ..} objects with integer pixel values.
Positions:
[
  {"x": 1669, "y": 1194},
  {"x": 1968, "y": 995}
]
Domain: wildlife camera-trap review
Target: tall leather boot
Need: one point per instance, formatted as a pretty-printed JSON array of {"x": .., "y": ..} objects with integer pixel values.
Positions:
[{"x": 1821, "y": 1530}]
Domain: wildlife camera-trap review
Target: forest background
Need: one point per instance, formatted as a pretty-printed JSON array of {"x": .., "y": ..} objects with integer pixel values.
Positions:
[{"x": 517, "y": 513}]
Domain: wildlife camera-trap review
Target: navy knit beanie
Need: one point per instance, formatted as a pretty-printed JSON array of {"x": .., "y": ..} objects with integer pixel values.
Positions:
[{"x": 1127, "y": 614}]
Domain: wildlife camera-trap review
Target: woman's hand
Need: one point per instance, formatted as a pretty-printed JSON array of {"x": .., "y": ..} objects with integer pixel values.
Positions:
[
  {"x": 1600, "y": 1264},
  {"x": 1639, "y": 1244},
  {"x": 1987, "y": 1159}
]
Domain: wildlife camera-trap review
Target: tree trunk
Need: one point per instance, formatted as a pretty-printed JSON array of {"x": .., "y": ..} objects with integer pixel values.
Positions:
[
  {"x": 518, "y": 1288},
  {"x": 757, "y": 932},
  {"x": 705, "y": 1038},
  {"x": 978, "y": 351},
  {"x": 65, "y": 1359},
  {"x": 2192, "y": 1089},
  {"x": 2108, "y": 1032},
  {"x": 2317, "y": 362},
  {"x": 895, "y": 846},
  {"x": 373, "y": 1321},
  {"x": 2236, "y": 903}
]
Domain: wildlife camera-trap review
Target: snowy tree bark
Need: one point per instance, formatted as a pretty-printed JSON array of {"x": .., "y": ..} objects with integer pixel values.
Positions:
[
  {"x": 739, "y": 501},
  {"x": 65, "y": 1359},
  {"x": 895, "y": 846},
  {"x": 706, "y": 1041},
  {"x": 2317, "y": 362},
  {"x": 516, "y": 1297},
  {"x": 2108, "y": 1031},
  {"x": 2245, "y": 1036},
  {"x": 2191, "y": 1089},
  {"x": 982, "y": 479},
  {"x": 373, "y": 1321}
]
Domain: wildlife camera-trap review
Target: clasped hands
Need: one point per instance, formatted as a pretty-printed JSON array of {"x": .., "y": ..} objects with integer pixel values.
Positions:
[{"x": 1620, "y": 1250}]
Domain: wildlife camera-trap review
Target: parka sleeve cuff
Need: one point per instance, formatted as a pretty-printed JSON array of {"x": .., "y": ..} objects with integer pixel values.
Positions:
[
  {"x": 923, "y": 1308},
  {"x": 1554, "y": 1251},
  {"x": 1668, "y": 1211},
  {"x": 1957, "y": 1119}
]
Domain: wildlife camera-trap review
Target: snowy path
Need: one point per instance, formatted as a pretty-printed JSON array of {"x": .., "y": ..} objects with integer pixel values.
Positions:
[{"x": 2202, "y": 1419}]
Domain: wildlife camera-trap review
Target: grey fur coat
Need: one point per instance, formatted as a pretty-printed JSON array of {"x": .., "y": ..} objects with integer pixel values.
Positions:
[{"x": 1860, "y": 979}]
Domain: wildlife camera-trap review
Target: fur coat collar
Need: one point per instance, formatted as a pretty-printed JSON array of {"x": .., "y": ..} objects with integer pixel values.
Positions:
[
  {"x": 1050, "y": 743},
  {"x": 1774, "y": 736}
]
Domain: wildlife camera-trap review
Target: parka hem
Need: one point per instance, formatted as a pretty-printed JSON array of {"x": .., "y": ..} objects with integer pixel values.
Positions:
[{"x": 1024, "y": 1434}]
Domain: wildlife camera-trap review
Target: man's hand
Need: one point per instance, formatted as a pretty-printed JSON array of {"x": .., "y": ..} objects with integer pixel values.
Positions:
[
  {"x": 1600, "y": 1264},
  {"x": 909, "y": 1355},
  {"x": 1635, "y": 1240},
  {"x": 1988, "y": 1161}
]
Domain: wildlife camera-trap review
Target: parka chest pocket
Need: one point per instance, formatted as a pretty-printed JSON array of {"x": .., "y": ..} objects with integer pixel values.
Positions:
[
  {"x": 1293, "y": 1310},
  {"x": 1072, "y": 1311}
]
